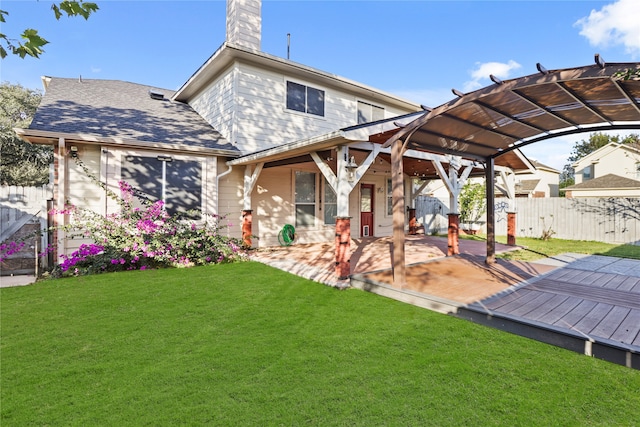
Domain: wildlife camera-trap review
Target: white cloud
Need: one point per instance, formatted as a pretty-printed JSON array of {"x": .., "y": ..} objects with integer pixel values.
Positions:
[
  {"x": 96, "y": 70},
  {"x": 615, "y": 24},
  {"x": 480, "y": 75}
]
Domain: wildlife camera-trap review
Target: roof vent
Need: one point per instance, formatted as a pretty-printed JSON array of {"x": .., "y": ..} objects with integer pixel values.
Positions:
[{"x": 156, "y": 95}]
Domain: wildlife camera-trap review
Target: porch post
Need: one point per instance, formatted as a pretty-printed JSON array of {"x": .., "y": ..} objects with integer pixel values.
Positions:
[
  {"x": 247, "y": 219},
  {"x": 452, "y": 234},
  {"x": 397, "y": 184},
  {"x": 491, "y": 212},
  {"x": 511, "y": 228},
  {"x": 413, "y": 224},
  {"x": 343, "y": 248}
]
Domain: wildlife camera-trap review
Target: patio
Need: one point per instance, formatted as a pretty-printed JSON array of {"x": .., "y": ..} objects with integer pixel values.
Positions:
[{"x": 588, "y": 304}]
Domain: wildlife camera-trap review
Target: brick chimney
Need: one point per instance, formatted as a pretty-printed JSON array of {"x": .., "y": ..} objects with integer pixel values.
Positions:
[{"x": 244, "y": 23}]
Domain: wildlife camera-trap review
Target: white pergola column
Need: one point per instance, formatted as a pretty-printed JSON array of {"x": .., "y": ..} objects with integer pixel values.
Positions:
[
  {"x": 453, "y": 181},
  {"x": 343, "y": 182}
]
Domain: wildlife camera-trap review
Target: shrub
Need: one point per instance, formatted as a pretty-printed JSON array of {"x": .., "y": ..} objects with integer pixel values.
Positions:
[{"x": 138, "y": 238}]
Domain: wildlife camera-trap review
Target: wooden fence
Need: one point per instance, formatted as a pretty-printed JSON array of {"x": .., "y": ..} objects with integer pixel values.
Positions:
[
  {"x": 610, "y": 220},
  {"x": 23, "y": 214}
]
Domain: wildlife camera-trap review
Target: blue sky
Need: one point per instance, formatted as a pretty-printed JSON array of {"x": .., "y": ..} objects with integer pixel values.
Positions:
[{"x": 417, "y": 49}]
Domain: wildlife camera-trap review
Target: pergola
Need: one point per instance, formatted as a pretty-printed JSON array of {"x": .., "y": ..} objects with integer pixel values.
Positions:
[{"x": 488, "y": 123}]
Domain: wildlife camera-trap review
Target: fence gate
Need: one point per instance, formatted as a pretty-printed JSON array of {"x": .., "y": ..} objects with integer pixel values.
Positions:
[{"x": 23, "y": 216}]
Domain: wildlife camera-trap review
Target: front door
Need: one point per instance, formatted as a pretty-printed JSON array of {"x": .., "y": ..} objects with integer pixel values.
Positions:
[{"x": 366, "y": 210}]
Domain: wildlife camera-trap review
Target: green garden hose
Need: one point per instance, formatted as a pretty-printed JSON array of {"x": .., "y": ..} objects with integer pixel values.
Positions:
[{"x": 287, "y": 235}]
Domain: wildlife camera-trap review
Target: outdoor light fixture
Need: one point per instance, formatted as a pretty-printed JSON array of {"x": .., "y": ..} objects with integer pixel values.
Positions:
[
  {"x": 74, "y": 151},
  {"x": 351, "y": 168}
]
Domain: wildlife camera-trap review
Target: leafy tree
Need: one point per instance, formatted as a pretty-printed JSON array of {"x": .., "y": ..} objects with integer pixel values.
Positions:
[
  {"x": 472, "y": 202},
  {"x": 33, "y": 43},
  {"x": 584, "y": 147},
  {"x": 21, "y": 163}
]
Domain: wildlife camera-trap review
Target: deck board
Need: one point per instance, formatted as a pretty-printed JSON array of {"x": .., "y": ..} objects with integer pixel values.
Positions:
[
  {"x": 590, "y": 320},
  {"x": 525, "y": 297},
  {"x": 558, "y": 312},
  {"x": 629, "y": 283},
  {"x": 611, "y": 322},
  {"x": 551, "y": 304},
  {"x": 628, "y": 331},
  {"x": 615, "y": 281},
  {"x": 575, "y": 315},
  {"x": 534, "y": 303},
  {"x": 594, "y": 293}
]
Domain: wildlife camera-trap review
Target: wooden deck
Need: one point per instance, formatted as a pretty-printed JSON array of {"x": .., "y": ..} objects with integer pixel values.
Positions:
[{"x": 595, "y": 300}]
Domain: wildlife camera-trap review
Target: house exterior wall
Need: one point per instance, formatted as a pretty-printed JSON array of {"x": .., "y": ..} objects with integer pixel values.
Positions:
[
  {"x": 230, "y": 194},
  {"x": 247, "y": 105},
  {"x": 273, "y": 202},
  {"x": 217, "y": 104},
  {"x": 81, "y": 191},
  {"x": 104, "y": 164},
  {"x": 549, "y": 183},
  {"x": 611, "y": 159}
]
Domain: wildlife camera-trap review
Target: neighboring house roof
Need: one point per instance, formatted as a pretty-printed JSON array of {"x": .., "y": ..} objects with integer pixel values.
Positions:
[
  {"x": 606, "y": 182},
  {"x": 115, "y": 109},
  {"x": 527, "y": 186},
  {"x": 542, "y": 166}
]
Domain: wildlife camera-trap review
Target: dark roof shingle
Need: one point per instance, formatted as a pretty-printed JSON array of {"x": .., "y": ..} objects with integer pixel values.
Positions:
[
  {"x": 117, "y": 109},
  {"x": 608, "y": 181}
]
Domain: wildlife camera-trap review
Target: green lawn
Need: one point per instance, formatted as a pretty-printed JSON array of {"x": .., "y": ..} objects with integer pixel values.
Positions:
[
  {"x": 534, "y": 248},
  {"x": 244, "y": 344}
]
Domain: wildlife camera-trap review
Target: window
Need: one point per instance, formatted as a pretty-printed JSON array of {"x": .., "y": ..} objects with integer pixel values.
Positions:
[
  {"x": 638, "y": 170},
  {"x": 305, "y": 198},
  {"x": 330, "y": 204},
  {"x": 369, "y": 112},
  {"x": 389, "y": 197},
  {"x": 587, "y": 173},
  {"x": 178, "y": 180},
  {"x": 305, "y": 99}
]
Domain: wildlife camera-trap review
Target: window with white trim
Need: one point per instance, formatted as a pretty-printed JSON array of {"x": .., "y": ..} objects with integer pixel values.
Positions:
[
  {"x": 177, "y": 182},
  {"x": 305, "y": 99},
  {"x": 369, "y": 112},
  {"x": 587, "y": 173},
  {"x": 305, "y": 198},
  {"x": 330, "y": 204}
]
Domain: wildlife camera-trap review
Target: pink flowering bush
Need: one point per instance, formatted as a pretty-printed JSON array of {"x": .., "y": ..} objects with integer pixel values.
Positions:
[
  {"x": 10, "y": 248},
  {"x": 142, "y": 238}
]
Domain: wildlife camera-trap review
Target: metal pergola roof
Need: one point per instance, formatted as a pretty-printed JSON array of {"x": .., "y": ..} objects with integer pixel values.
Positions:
[
  {"x": 507, "y": 115},
  {"x": 511, "y": 114}
]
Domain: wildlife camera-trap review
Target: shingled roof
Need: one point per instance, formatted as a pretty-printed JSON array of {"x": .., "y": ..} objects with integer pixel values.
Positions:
[
  {"x": 117, "y": 109},
  {"x": 609, "y": 181}
]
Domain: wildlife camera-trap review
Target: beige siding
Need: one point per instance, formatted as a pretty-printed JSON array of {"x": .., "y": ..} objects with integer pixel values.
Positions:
[
  {"x": 262, "y": 120},
  {"x": 230, "y": 193},
  {"x": 105, "y": 165},
  {"x": 610, "y": 160},
  {"x": 82, "y": 191},
  {"x": 217, "y": 104},
  {"x": 274, "y": 206}
]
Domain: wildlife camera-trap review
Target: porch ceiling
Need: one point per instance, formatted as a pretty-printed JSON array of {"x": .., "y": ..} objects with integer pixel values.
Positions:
[{"x": 510, "y": 114}]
